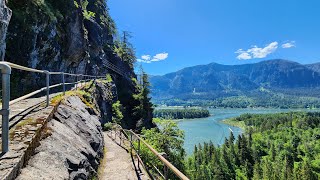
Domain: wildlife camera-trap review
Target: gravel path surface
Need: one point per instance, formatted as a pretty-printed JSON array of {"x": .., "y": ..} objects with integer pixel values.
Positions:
[{"x": 118, "y": 163}]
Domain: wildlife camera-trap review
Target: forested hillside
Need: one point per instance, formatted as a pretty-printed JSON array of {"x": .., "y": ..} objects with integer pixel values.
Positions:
[
  {"x": 275, "y": 146},
  {"x": 186, "y": 113},
  {"x": 273, "y": 83}
]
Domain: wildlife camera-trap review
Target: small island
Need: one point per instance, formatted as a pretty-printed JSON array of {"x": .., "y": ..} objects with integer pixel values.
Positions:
[{"x": 186, "y": 113}]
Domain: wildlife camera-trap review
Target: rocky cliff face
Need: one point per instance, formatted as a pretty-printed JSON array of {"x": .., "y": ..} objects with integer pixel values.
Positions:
[
  {"x": 75, "y": 36},
  {"x": 104, "y": 95},
  {"x": 60, "y": 35},
  {"x": 73, "y": 147},
  {"x": 5, "y": 15}
]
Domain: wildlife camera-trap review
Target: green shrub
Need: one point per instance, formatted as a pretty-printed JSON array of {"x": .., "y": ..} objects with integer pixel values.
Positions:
[
  {"x": 109, "y": 78},
  {"x": 107, "y": 126},
  {"x": 117, "y": 115}
]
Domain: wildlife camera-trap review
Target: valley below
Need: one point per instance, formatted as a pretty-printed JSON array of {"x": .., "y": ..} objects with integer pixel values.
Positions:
[{"x": 200, "y": 130}]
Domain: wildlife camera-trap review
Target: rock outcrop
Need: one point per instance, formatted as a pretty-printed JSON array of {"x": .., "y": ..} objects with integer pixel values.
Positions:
[
  {"x": 5, "y": 15},
  {"x": 75, "y": 36},
  {"x": 104, "y": 95},
  {"x": 73, "y": 148}
]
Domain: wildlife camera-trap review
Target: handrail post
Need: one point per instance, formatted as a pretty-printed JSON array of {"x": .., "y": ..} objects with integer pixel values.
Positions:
[
  {"x": 165, "y": 167},
  {"x": 47, "y": 86},
  {"x": 138, "y": 153},
  {"x": 131, "y": 141},
  {"x": 81, "y": 82},
  {"x": 120, "y": 136},
  {"x": 63, "y": 84},
  {"x": 76, "y": 82},
  {"x": 5, "y": 111}
]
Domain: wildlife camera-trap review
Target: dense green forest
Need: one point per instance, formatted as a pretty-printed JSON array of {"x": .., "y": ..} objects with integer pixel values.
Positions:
[
  {"x": 186, "y": 113},
  {"x": 265, "y": 100},
  {"x": 275, "y": 146}
]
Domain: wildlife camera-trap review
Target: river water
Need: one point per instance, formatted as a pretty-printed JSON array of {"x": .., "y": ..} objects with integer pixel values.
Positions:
[{"x": 205, "y": 129}]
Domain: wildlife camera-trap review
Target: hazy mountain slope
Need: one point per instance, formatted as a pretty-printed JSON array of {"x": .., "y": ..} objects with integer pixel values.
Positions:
[
  {"x": 314, "y": 67},
  {"x": 229, "y": 80}
]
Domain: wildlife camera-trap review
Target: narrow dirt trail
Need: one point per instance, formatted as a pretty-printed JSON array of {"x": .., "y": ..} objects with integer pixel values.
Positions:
[{"x": 117, "y": 163}]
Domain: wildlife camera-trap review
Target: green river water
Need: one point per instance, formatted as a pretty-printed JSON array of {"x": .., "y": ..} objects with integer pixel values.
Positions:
[{"x": 206, "y": 129}]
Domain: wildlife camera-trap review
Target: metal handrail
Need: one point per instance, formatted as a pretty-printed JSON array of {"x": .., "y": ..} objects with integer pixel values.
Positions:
[
  {"x": 164, "y": 160},
  {"x": 114, "y": 68},
  {"x": 16, "y": 66},
  {"x": 5, "y": 111},
  {"x": 157, "y": 154}
]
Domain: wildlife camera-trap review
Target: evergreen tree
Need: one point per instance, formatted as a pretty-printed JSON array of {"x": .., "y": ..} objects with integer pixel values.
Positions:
[
  {"x": 231, "y": 138},
  {"x": 124, "y": 49},
  {"x": 286, "y": 148},
  {"x": 143, "y": 110},
  {"x": 306, "y": 171},
  {"x": 287, "y": 170},
  {"x": 257, "y": 172}
]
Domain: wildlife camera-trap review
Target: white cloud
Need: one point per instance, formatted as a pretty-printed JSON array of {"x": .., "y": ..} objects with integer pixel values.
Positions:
[
  {"x": 263, "y": 52},
  {"x": 144, "y": 61},
  {"x": 155, "y": 58},
  {"x": 288, "y": 45},
  {"x": 257, "y": 52},
  {"x": 243, "y": 55},
  {"x": 146, "y": 57}
]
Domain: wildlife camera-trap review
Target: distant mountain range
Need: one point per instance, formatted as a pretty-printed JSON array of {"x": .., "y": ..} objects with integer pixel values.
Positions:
[{"x": 216, "y": 80}]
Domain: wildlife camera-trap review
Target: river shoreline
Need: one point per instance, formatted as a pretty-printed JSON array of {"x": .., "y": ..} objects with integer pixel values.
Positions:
[
  {"x": 234, "y": 123},
  {"x": 218, "y": 126}
]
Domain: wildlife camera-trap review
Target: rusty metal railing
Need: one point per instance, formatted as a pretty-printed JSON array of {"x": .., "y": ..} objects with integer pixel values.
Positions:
[{"x": 133, "y": 138}]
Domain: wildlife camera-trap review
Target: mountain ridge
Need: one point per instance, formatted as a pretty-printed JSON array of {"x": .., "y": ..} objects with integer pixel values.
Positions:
[{"x": 216, "y": 80}]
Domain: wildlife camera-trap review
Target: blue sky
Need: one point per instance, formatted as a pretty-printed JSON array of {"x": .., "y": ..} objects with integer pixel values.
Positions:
[{"x": 172, "y": 34}]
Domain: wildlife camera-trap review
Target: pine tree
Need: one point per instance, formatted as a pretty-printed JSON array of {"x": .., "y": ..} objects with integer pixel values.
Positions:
[
  {"x": 306, "y": 171},
  {"x": 257, "y": 172},
  {"x": 286, "y": 171},
  {"x": 231, "y": 138},
  {"x": 143, "y": 110},
  {"x": 266, "y": 170}
]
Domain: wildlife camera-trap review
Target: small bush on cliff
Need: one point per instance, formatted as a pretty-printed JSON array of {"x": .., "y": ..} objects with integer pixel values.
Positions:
[
  {"x": 117, "y": 115},
  {"x": 107, "y": 126},
  {"x": 109, "y": 78}
]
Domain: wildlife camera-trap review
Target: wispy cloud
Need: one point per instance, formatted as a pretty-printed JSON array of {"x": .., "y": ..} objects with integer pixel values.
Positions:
[
  {"x": 146, "y": 57},
  {"x": 243, "y": 55},
  {"x": 158, "y": 57},
  {"x": 287, "y": 45},
  {"x": 257, "y": 52}
]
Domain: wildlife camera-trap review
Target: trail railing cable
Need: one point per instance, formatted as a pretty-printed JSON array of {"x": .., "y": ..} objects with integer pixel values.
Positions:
[
  {"x": 6, "y": 68},
  {"x": 135, "y": 142}
]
